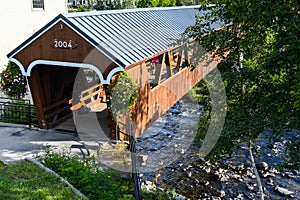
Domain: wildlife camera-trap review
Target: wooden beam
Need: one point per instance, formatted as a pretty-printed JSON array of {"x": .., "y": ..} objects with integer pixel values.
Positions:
[
  {"x": 76, "y": 106},
  {"x": 168, "y": 58},
  {"x": 158, "y": 71},
  {"x": 57, "y": 111},
  {"x": 60, "y": 120},
  {"x": 187, "y": 60},
  {"x": 179, "y": 59},
  {"x": 49, "y": 107},
  {"x": 45, "y": 82},
  {"x": 38, "y": 97}
]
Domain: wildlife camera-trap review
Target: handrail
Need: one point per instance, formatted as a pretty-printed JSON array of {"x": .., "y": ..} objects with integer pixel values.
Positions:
[
  {"x": 89, "y": 94},
  {"x": 58, "y": 103}
]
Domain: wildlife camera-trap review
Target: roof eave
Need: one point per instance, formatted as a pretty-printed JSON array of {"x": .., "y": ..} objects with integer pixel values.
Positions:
[
  {"x": 35, "y": 35},
  {"x": 61, "y": 17}
]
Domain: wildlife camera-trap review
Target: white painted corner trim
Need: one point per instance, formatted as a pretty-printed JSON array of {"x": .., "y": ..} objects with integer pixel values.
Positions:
[
  {"x": 19, "y": 65},
  {"x": 66, "y": 64}
]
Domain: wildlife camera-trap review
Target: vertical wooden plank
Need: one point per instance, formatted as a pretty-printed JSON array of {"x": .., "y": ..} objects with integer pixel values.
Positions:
[
  {"x": 168, "y": 59},
  {"x": 179, "y": 59},
  {"x": 158, "y": 71},
  {"x": 45, "y": 72},
  {"x": 38, "y": 97},
  {"x": 186, "y": 55}
]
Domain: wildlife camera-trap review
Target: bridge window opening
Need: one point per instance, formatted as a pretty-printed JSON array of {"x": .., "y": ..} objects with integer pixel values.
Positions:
[
  {"x": 162, "y": 67},
  {"x": 91, "y": 76},
  {"x": 88, "y": 92}
]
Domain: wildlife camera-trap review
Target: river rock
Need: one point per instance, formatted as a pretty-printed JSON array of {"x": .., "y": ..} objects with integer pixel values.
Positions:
[
  {"x": 270, "y": 182},
  {"x": 222, "y": 193},
  {"x": 268, "y": 174},
  {"x": 178, "y": 197},
  {"x": 262, "y": 166},
  {"x": 174, "y": 111},
  {"x": 236, "y": 176},
  {"x": 250, "y": 187},
  {"x": 283, "y": 191},
  {"x": 290, "y": 175},
  {"x": 142, "y": 158}
]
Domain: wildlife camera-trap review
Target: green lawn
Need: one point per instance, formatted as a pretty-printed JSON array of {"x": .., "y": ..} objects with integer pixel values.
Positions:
[{"x": 24, "y": 180}]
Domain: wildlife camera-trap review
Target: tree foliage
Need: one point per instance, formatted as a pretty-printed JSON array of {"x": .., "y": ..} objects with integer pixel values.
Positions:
[
  {"x": 109, "y": 4},
  {"x": 261, "y": 68},
  {"x": 164, "y": 3},
  {"x": 118, "y": 4},
  {"x": 147, "y": 3}
]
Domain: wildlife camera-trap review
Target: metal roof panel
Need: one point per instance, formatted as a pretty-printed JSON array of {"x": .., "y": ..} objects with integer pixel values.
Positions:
[
  {"x": 135, "y": 34},
  {"x": 130, "y": 35}
]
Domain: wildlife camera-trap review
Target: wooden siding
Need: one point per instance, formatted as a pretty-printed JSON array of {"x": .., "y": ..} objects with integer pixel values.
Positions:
[
  {"x": 81, "y": 52},
  {"x": 153, "y": 103}
]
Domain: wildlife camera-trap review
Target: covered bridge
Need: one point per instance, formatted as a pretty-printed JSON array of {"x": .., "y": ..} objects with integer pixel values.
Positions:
[{"x": 94, "y": 47}]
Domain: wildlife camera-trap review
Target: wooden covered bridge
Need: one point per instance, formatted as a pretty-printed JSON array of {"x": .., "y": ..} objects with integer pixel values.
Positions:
[{"x": 95, "y": 46}]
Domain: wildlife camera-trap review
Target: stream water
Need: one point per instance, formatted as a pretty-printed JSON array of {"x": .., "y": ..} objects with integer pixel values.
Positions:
[{"x": 167, "y": 157}]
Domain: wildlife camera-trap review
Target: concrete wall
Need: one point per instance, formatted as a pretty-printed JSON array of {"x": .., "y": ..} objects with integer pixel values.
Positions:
[{"x": 19, "y": 21}]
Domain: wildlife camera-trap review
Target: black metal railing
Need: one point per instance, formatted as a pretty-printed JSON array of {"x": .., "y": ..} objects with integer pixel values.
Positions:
[{"x": 17, "y": 111}]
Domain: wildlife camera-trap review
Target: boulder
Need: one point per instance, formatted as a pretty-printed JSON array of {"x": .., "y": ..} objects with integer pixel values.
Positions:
[{"x": 262, "y": 166}]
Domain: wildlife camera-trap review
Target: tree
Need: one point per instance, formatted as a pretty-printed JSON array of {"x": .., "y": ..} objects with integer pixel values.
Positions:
[
  {"x": 100, "y": 5},
  {"x": 109, "y": 4},
  {"x": 128, "y": 4},
  {"x": 147, "y": 3},
  {"x": 261, "y": 69},
  {"x": 172, "y": 3},
  {"x": 164, "y": 3}
]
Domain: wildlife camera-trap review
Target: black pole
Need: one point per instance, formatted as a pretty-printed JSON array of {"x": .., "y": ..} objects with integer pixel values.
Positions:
[
  {"x": 135, "y": 173},
  {"x": 29, "y": 114}
]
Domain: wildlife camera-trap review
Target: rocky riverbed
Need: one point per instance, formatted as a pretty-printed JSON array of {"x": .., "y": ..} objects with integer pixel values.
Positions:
[{"x": 168, "y": 158}]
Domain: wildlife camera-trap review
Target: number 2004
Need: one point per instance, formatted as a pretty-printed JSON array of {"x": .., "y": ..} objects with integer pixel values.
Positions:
[{"x": 62, "y": 44}]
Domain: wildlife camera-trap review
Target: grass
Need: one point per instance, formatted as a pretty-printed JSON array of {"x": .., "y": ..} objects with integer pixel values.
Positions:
[
  {"x": 24, "y": 180},
  {"x": 87, "y": 177},
  {"x": 94, "y": 182}
]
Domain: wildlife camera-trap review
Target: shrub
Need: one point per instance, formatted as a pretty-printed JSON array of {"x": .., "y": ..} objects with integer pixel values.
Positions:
[
  {"x": 95, "y": 183},
  {"x": 12, "y": 82},
  {"x": 87, "y": 177}
]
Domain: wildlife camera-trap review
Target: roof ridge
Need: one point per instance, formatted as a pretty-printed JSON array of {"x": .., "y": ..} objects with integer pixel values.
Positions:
[{"x": 132, "y": 10}]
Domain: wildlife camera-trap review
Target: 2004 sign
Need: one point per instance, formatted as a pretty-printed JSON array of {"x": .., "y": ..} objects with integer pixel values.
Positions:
[{"x": 63, "y": 44}]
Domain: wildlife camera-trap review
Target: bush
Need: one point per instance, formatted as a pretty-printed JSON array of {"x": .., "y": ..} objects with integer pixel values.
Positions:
[
  {"x": 95, "y": 183},
  {"x": 87, "y": 177},
  {"x": 12, "y": 82}
]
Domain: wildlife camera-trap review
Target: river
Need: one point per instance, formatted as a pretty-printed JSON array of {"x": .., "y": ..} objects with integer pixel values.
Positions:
[{"x": 168, "y": 158}]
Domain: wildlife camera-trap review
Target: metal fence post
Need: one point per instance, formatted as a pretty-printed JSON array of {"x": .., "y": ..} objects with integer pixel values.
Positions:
[{"x": 29, "y": 113}]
